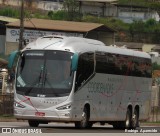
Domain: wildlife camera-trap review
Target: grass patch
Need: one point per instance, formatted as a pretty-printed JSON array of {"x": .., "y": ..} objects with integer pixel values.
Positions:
[
  {"x": 7, "y": 116},
  {"x": 151, "y": 122}
]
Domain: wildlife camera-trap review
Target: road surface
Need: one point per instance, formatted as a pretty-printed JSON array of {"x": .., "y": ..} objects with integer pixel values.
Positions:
[{"x": 69, "y": 128}]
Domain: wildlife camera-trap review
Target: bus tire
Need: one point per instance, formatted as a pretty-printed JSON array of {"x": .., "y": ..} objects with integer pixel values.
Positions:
[
  {"x": 135, "y": 119},
  {"x": 84, "y": 123},
  {"x": 90, "y": 124},
  {"x": 127, "y": 123},
  {"x": 118, "y": 125},
  {"x": 33, "y": 123}
]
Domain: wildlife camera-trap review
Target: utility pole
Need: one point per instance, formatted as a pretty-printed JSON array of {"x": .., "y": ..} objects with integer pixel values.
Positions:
[{"x": 21, "y": 40}]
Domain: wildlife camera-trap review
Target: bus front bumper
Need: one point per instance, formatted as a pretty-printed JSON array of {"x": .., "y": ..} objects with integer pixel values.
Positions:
[{"x": 44, "y": 115}]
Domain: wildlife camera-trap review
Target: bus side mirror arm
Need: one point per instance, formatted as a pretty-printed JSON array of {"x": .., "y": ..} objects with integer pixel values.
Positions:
[
  {"x": 74, "y": 62},
  {"x": 12, "y": 59}
]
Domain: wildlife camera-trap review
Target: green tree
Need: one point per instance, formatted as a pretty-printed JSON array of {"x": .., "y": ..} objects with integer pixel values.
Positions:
[
  {"x": 57, "y": 15},
  {"x": 155, "y": 66},
  {"x": 9, "y": 12},
  {"x": 131, "y": 31},
  {"x": 72, "y": 9},
  {"x": 151, "y": 22},
  {"x": 155, "y": 36},
  {"x": 137, "y": 29}
]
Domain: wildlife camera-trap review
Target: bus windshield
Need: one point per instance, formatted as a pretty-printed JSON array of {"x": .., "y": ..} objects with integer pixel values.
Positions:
[{"x": 44, "y": 74}]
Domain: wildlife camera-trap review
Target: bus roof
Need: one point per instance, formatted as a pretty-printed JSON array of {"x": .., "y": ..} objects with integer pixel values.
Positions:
[{"x": 79, "y": 45}]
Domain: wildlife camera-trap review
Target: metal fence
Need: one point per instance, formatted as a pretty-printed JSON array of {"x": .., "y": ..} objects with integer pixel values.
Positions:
[{"x": 6, "y": 104}]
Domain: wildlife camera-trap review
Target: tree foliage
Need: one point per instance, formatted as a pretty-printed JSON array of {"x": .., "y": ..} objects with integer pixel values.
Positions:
[
  {"x": 9, "y": 12},
  {"x": 57, "y": 15},
  {"x": 148, "y": 31},
  {"x": 155, "y": 66},
  {"x": 72, "y": 9}
]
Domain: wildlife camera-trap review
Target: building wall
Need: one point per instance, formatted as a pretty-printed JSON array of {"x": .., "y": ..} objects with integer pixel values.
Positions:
[
  {"x": 50, "y": 6},
  {"x": 98, "y": 9},
  {"x": 106, "y": 37},
  {"x": 39, "y": 4},
  {"x": 11, "y": 2},
  {"x": 2, "y": 36},
  {"x": 2, "y": 43},
  {"x": 129, "y": 16},
  {"x": 91, "y": 8},
  {"x": 111, "y": 10},
  {"x": 147, "y": 47},
  {"x": 12, "y": 37},
  {"x": 10, "y": 47},
  {"x": 156, "y": 59}
]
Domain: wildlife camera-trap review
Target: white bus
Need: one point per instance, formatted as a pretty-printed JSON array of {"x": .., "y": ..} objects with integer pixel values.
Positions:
[{"x": 81, "y": 81}]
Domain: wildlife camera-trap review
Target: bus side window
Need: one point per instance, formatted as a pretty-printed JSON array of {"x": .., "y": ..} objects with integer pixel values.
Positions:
[{"x": 85, "y": 68}]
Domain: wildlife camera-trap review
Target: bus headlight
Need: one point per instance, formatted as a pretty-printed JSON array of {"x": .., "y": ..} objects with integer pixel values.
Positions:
[
  {"x": 64, "y": 107},
  {"x": 16, "y": 104}
]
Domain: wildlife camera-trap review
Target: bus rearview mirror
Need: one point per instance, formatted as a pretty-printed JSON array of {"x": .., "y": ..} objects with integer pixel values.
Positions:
[
  {"x": 12, "y": 59},
  {"x": 74, "y": 62}
]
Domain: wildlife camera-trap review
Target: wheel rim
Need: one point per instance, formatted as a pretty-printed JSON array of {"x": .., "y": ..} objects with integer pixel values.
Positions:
[
  {"x": 84, "y": 119},
  {"x": 127, "y": 121},
  {"x": 135, "y": 119}
]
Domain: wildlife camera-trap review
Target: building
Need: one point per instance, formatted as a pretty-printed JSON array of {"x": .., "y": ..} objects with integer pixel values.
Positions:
[
  {"x": 104, "y": 8},
  {"x": 156, "y": 48},
  {"x": 129, "y": 13},
  {"x": 130, "y": 45},
  {"x": 140, "y": 46},
  {"x": 48, "y": 5},
  {"x": 3, "y": 21},
  {"x": 126, "y": 13},
  {"x": 54, "y": 5},
  {"x": 35, "y": 28}
]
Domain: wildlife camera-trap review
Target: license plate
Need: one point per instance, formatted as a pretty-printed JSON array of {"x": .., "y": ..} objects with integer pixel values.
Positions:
[{"x": 41, "y": 114}]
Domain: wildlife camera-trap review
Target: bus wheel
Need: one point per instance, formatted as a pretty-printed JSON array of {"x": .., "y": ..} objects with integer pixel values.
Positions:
[
  {"x": 84, "y": 123},
  {"x": 33, "y": 123},
  {"x": 135, "y": 119},
  {"x": 118, "y": 125},
  {"x": 127, "y": 122},
  {"x": 90, "y": 124}
]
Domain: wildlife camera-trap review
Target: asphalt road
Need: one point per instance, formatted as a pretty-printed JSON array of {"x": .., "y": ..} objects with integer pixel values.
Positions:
[{"x": 69, "y": 128}]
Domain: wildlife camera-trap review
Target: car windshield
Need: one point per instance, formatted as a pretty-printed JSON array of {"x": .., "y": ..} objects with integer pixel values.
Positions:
[{"x": 44, "y": 73}]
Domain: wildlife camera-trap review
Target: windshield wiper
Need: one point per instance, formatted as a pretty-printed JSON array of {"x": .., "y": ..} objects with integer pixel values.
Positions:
[{"x": 46, "y": 80}]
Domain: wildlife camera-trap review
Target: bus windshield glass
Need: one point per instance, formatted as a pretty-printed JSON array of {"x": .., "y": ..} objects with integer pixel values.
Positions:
[{"x": 44, "y": 74}]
